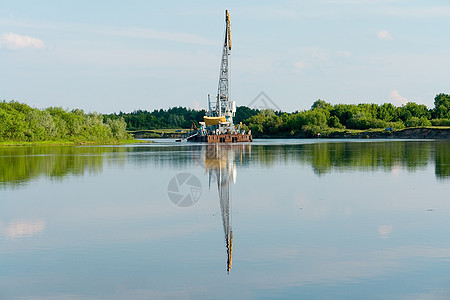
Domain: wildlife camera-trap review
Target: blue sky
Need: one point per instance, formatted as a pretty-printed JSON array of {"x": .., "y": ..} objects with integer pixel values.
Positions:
[{"x": 111, "y": 56}]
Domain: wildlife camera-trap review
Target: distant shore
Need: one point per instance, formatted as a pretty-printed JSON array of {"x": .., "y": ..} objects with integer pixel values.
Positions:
[
  {"x": 407, "y": 133},
  {"x": 68, "y": 143}
]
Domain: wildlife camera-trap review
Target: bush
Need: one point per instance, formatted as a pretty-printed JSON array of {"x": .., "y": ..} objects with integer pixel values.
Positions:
[
  {"x": 118, "y": 128},
  {"x": 362, "y": 121},
  {"x": 417, "y": 122},
  {"x": 396, "y": 125},
  {"x": 21, "y": 123},
  {"x": 440, "y": 122},
  {"x": 334, "y": 122},
  {"x": 311, "y": 130}
]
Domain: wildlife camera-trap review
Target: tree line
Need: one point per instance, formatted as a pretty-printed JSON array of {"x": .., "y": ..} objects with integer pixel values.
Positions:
[
  {"x": 325, "y": 117},
  {"x": 176, "y": 117},
  {"x": 322, "y": 116},
  {"x": 22, "y": 123}
]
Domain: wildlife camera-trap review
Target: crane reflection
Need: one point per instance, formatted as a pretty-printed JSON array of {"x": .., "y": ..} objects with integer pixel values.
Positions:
[{"x": 220, "y": 163}]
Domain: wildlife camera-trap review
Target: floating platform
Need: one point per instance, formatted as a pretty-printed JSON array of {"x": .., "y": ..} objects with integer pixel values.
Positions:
[{"x": 221, "y": 138}]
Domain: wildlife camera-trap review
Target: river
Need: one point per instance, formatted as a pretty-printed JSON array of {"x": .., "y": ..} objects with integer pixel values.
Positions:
[{"x": 286, "y": 219}]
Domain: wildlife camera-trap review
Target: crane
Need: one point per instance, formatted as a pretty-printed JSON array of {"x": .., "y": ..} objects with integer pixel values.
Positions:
[
  {"x": 218, "y": 126},
  {"x": 223, "y": 109}
]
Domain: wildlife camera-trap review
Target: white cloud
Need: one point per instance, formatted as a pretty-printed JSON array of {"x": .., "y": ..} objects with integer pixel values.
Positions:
[
  {"x": 14, "y": 41},
  {"x": 384, "y": 35},
  {"x": 344, "y": 54},
  {"x": 395, "y": 96},
  {"x": 300, "y": 65}
]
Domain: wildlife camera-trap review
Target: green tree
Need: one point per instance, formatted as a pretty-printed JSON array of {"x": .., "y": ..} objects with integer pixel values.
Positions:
[
  {"x": 40, "y": 125},
  {"x": 118, "y": 128},
  {"x": 441, "y": 106},
  {"x": 316, "y": 117},
  {"x": 387, "y": 112},
  {"x": 412, "y": 109},
  {"x": 418, "y": 122},
  {"x": 362, "y": 121},
  {"x": 344, "y": 112},
  {"x": 243, "y": 113},
  {"x": 320, "y": 104},
  {"x": 334, "y": 122}
]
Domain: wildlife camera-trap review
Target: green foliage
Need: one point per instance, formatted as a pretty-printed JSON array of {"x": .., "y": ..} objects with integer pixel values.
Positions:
[
  {"x": 94, "y": 128},
  {"x": 387, "y": 112},
  {"x": 362, "y": 121},
  {"x": 243, "y": 113},
  {"x": 412, "y": 109},
  {"x": 441, "y": 106},
  {"x": 344, "y": 112},
  {"x": 440, "y": 122},
  {"x": 41, "y": 126},
  {"x": 396, "y": 125},
  {"x": 12, "y": 121},
  {"x": 311, "y": 130},
  {"x": 21, "y": 123},
  {"x": 266, "y": 122},
  {"x": 320, "y": 104},
  {"x": 176, "y": 117},
  {"x": 317, "y": 117},
  {"x": 118, "y": 128},
  {"x": 418, "y": 122},
  {"x": 333, "y": 122},
  {"x": 322, "y": 117}
]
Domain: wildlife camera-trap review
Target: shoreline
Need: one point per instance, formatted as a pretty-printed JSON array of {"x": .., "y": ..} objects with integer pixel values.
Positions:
[
  {"x": 68, "y": 143},
  {"x": 407, "y": 133}
]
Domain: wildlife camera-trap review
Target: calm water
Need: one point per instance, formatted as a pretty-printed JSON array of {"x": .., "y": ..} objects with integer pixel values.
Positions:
[{"x": 291, "y": 219}]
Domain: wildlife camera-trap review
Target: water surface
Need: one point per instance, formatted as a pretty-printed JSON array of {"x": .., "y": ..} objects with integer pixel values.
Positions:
[{"x": 315, "y": 219}]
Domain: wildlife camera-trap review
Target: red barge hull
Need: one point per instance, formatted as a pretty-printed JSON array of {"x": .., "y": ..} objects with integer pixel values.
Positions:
[{"x": 222, "y": 138}]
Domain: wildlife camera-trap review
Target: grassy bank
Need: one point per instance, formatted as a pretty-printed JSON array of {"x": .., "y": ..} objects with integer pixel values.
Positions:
[
  {"x": 159, "y": 133},
  {"x": 441, "y": 132},
  {"x": 70, "y": 143}
]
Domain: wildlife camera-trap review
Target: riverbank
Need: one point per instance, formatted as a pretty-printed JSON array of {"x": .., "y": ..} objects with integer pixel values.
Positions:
[
  {"x": 69, "y": 143},
  {"x": 159, "y": 133},
  {"x": 407, "y": 133}
]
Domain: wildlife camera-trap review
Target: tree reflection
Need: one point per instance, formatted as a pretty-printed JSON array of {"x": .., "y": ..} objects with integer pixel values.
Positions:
[
  {"x": 19, "y": 165},
  {"x": 442, "y": 160},
  {"x": 325, "y": 157}
]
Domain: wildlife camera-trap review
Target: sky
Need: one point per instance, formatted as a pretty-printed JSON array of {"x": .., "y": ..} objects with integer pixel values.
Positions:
[{"x": 111, "y": 56}]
